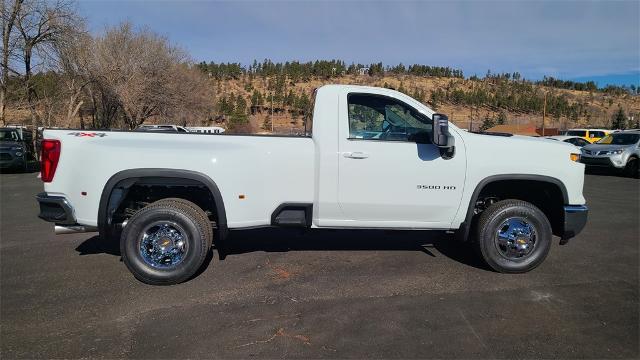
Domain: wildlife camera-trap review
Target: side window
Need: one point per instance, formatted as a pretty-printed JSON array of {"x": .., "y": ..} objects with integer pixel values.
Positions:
[
  {"x": 596, "y": 134},
  {"x": 374, "y": 117},
  {"x": 578, "y": 141},
  {"x": 580, "y": 133}
]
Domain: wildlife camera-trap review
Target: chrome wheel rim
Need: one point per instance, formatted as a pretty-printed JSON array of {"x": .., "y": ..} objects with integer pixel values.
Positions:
[
  {"x": 515, "y": 238},
  {"x": 163, "y": 244}
]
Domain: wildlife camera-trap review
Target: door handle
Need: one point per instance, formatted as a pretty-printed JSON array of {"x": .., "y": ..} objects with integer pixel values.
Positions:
[{"x": 355, "y": 155}]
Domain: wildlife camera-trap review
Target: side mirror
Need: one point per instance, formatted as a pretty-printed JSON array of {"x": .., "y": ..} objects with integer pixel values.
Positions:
[
  {"x": 440, "y": 130},
  {"x": 441, "y": 136}
]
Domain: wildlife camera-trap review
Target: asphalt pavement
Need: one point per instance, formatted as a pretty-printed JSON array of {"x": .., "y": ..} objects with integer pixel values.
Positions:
[{"x": 322, "y": 294}]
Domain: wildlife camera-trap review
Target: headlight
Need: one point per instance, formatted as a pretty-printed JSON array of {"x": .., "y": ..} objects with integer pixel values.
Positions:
[
  {"x": 17, "y": 148},
  {"x": 614, "y": 152}
]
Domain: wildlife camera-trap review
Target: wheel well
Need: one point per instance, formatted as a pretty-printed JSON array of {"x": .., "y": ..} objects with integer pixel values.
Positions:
[
  {"x": 546, "y": 196},
  {"x": 130, "y": 190},
  {"x": 147, "y": 190}
]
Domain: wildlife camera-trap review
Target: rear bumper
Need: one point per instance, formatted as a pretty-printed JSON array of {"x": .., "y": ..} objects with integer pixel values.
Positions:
[
  {"x": 575, "y": 218},
  {"x": 55, "y": 209}
]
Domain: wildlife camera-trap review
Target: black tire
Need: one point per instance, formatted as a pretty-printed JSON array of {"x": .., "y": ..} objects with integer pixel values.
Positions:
[
  {"x": 189, "y": 218},
  {"x": 632, "y": 169},
  {"x": 202, "y": 216},
  {"x": 492, "y": 220}
]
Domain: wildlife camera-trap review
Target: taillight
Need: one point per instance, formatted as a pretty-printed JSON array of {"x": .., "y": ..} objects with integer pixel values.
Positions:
[{"x": 49, "y": 159}]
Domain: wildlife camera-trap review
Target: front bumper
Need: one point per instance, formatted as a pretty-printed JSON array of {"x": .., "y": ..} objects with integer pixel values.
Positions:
[
  {"x": 603, "y": 161},
  {"x": 575, "y": 218},
  {"x": 9, "y": 160},
  {"x": 55, "y": 209}
]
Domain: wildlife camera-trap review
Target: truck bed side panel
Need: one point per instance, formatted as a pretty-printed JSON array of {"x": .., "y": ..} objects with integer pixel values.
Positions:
[{"x": 266, "y": 170}]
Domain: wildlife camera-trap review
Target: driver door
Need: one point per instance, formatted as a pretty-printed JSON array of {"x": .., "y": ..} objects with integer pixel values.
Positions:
[{"x": 390, "y": 175}]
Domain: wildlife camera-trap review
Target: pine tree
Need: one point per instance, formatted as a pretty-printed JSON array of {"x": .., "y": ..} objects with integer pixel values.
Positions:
[
  {"x": 502, "y": 118},
  {"x": 487, "y": 123},
  {"x": 240, "y": 112},
  {"x": 434, "y": 100},
  {"x": 619, "y": 120}
]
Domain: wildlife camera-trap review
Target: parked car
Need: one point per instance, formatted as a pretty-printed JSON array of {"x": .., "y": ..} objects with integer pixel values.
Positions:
[
  {"x": 574, "y": 140},
  {"x": 169, "y": 128},
  {"x": 591, "y": 135},
  {"x": 15, "y": 149},
  {"x": 505, "y": 195},
  {"x": 206, "y": 129},
  {"x": 619, "y": 151}
]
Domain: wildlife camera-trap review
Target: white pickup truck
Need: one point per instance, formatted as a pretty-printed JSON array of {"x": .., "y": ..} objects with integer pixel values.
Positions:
[{"x": 376, "y": 158}]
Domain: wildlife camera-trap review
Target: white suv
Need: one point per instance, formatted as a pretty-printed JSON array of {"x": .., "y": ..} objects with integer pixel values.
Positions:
[{"x": 619, "y": 150}]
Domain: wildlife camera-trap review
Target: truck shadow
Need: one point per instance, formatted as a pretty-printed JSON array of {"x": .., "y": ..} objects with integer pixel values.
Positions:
[{"x": 285, "y": 240}]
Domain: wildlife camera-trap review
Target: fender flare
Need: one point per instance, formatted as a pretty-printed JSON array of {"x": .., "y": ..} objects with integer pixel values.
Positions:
[
  {"x": 465, "y": 227},
  {"x": 134, "y": 174}
]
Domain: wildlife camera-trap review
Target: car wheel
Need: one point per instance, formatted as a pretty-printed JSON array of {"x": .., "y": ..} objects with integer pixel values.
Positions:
[
  {"x": 632, "y": 169},
  {"x": 513, "y": 236},
  {"x": 166, "y": 242}
]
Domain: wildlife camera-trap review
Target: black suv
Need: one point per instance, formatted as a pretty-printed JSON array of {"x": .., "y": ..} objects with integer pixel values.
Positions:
[{"x": 15, "y": 149}]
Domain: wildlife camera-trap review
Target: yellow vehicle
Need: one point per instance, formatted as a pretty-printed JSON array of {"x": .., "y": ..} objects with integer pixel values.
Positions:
[{"x": 591, "y": 135}]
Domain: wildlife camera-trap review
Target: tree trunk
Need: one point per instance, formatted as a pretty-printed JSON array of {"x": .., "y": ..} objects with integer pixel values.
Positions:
[
  {"x": 73, "y": 107},
  {"x": 2, "y": 104},
  {"x": 81, "y": 120},
  {"x": 31, "y": 94},
  {"x": 7, "y": 27}
]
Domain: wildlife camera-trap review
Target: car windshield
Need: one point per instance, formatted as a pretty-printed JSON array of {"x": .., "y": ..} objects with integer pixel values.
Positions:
[
  {"x": 576, "y": 133},
  {"x": 9, "y": 135},
  {"x": 619, "y": 139}
]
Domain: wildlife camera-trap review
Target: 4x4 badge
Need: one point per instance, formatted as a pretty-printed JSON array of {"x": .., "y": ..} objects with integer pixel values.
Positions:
[{"x": 87, "y": 134}]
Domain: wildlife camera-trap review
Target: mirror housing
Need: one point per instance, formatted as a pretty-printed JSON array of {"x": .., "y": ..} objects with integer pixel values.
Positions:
[
  {"x": 440, "y": 130},
  {"x": 441, "y": 136}
]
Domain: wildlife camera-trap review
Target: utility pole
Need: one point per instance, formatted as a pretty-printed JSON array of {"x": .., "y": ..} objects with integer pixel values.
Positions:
[
  {"x": 544, "y": 112},
  {"x": 272, "y": 112}
]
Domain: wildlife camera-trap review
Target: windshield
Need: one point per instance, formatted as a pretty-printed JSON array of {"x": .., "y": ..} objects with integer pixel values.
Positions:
[
  {"x": 9, "y": 135},
  {"x": 619, "y": 139},
  {"x": 581, "y": 133}
]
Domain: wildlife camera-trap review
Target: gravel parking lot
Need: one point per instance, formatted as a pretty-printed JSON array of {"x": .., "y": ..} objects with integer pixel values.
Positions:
[{"x": 323, "y": 294}]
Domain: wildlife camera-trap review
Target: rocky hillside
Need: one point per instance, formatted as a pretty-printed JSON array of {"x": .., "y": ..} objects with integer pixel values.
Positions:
[{"x": 468, "y": 102}]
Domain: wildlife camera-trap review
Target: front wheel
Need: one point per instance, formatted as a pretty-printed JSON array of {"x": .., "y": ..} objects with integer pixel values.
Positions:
[
  {"x": 513, "y": 236},
  {"x": 166, "y": 242},
  {"x": 632, "y": 169}
]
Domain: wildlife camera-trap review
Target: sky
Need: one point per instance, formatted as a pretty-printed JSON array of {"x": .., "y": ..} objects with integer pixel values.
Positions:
[{"x": 571, "y": 40}]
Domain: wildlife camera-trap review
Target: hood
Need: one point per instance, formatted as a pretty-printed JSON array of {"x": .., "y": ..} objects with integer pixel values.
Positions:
[
  {"x": 5, "y": 145},
  {"x": 516, "y": 140},
  {"x": 593, "y": 148}
]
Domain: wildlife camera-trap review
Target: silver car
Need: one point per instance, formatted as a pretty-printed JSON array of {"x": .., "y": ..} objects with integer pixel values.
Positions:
[{"x": 619, "y": 150}]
